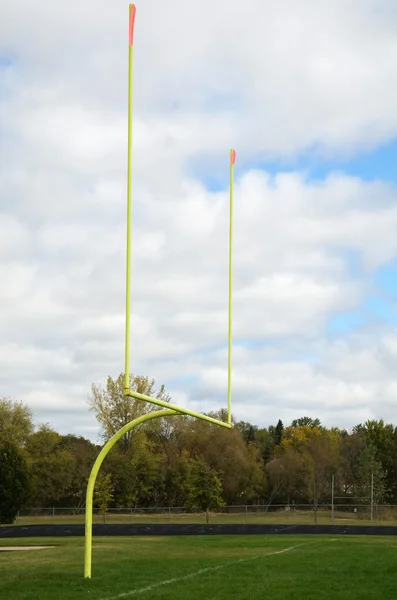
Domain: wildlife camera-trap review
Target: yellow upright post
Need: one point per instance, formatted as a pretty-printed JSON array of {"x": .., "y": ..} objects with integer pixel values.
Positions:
[
  {"x": 230, "y": 329},
  {"x": 132, "y": 12}
]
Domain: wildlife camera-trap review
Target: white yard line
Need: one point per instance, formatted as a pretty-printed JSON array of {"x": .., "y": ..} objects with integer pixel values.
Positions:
[
  {"x": 18, "y": 548},
  {"x": 200, "y": 572}
]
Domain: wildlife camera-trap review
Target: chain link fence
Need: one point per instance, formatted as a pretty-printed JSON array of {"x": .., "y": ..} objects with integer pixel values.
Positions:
[{"x": 348, "y": 514}]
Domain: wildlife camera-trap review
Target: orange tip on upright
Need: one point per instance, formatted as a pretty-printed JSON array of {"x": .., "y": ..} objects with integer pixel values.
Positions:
[
  {"x": 232, "y": 157},
  {"x": 132, "y": 22}
]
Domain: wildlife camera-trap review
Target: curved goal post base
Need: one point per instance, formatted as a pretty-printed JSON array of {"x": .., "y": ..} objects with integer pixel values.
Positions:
[{"x": 94, "y": 472}]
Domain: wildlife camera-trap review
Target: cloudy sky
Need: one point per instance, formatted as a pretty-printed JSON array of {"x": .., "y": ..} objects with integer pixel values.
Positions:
[{"x": 307, "y": 93}]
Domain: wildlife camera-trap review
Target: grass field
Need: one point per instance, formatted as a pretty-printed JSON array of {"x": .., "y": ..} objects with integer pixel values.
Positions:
[
  {"x": 292, "y": 517},
  {"x": 204, "y": 568}
]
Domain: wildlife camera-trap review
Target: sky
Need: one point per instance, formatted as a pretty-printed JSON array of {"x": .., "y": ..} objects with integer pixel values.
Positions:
[{"x": 306, "y": 92}]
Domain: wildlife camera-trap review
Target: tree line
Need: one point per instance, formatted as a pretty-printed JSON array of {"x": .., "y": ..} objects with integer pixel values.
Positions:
[{"x": 181, "y": 461}]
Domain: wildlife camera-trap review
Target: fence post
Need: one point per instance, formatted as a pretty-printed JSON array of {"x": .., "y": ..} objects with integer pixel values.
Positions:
[
  {"x": 372, "y": 497},
  {"x": 246, "y": 513},
  {"x": 332, "y": 500}
]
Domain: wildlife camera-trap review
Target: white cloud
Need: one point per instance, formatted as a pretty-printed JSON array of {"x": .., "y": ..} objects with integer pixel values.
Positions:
[
  {"x": 273, "y": 80},
  {"x": 279, "y": 77}
]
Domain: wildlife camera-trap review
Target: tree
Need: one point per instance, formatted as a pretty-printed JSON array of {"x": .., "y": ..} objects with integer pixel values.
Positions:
[
  {"x": 368, "y": 467},
  {"x": 359, "y": 463},
  {"x": 176, "y": 476},
  {"x": 14, "y": 481},
  {"x": 318, "y": 450},
  {"x": 393, "y": 471},
  {"x": 351, "y": 449},
  {"x": 286, "y": 476},
  {"x": 16, "y": 422},
  {"x": 321, "y": 459},
  {"x": 297, "y": 438},
  {"x": 278, "y": 433},
  {"x": 103, "y": 493},
  {"x": 84, "y": 453},
  {"x": 125, "y": 493},
  {"x": 168, "y": 437},
  {"x": 247, "y": 431},
  {"x": 113, "y": 409},
  {"x": 306, "y": 422},
  {"x": 382, "y": 438},
  {"x": 146, "y": 466},
  {"x": 205, "y": 489},
  {"x": 265, "y": 441},
  {"x": 52, "y": 466},
  {"x": 138, "y": 477},
  {"x": 239, "y": 465}
]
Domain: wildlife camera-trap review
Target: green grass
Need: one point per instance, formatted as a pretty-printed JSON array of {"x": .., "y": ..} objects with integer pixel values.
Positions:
[
  {"x": 238, "y": 567},
  {"x": 279, "y": 517}
]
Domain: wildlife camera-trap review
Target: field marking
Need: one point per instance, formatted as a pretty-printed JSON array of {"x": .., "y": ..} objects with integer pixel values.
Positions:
[
  {"x": 199, "y": 572},
  {"x": 20, "y": 548}
]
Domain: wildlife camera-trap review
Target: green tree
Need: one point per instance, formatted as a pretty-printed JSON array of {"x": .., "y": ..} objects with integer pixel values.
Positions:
[
  {"x": 382, "y": 438},
  {"x": 138, "y": 476},
  {"x": 113, "y": 409},
  {"x": 103, "y": 493},
  {"x": 205, "y": 489},
  {"x": 265, "y": 440},
  {"x": 313, "y": 457},
  {"x": 392, "y": 473},
  {"x": 52, "y": 466},
  {"x": 169, "y": 437},
  {"x": 84, "y": 453},
  {"x": 350, "y": 449},
  {"x": 278, "y": 433},
  {"x": 247, "y": 431},
  {"x": 321, "y": 456},
  {"x": 306, "y": 422},
  {"x": 176, "y": 475},
  {"x": 239, "y": 465},
  {"x": 124, "y": 478},
  {"x": 359, "y": 460},
  {"x": 146, "y": 465},
  {"x": 16, "y": 421},
  {"x": 368, "y": 467},
  {"x": 14, "y": 481}
]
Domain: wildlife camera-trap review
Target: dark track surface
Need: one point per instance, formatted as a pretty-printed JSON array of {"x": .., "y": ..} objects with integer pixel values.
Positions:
[{"x": 139, "y": 530}]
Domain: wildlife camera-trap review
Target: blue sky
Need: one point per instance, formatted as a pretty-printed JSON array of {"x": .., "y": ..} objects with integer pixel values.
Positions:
[
  {"x": 5, "y": 62},
  {"x": 379, "y": 163}
]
